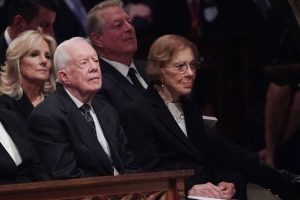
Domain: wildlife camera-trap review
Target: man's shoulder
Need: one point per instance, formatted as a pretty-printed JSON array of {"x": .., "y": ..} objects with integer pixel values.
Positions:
[
  {"x": 140, "y": 63},
  {"x": 101, "y": 102}
]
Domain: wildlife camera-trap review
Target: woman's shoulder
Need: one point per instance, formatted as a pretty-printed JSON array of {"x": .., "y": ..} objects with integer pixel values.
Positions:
[{"x": 7, "y": 101}]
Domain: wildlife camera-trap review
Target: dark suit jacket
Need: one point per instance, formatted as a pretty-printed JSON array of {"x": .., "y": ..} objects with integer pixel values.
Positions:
[
  {"x": 3, "y": 47},
  {"x": 30, "y": 169},
  {"x": 22, "y": 107},
  {"x": 66, "y": 144},
  {"x": 116, "y": 88},
  {"x": 158, "y": 143},
  {"x": 66, "y": 24}
]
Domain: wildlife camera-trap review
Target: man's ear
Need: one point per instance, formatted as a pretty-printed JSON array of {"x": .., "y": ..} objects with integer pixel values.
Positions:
[
  {"x": 96, "y": 39},
  {"x": 20, "y": 23},
  {"x": 62, "y": 76}
]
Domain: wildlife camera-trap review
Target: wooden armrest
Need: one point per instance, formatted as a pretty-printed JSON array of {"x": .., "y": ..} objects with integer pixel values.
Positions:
[{"x": 152, "y": 185}]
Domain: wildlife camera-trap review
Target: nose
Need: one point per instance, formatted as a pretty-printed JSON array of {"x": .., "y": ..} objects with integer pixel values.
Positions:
[
  {"x": 128, "y": 26},
  {"x": 189, "y": 70},
  {"x": 44, "y": 60},
  {"x": 94, "y": 66}
]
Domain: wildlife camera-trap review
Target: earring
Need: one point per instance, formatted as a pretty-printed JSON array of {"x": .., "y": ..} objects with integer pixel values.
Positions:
[{"x": 162, "y": 84}]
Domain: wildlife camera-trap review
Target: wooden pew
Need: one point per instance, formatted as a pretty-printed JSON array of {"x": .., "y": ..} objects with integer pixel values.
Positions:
[{"x": 165, "y": 185}]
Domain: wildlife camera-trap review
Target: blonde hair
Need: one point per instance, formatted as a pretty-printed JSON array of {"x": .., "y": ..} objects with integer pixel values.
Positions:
[
  {"x": 10, "y": 79},
  {"x": 162, "y": 51}
]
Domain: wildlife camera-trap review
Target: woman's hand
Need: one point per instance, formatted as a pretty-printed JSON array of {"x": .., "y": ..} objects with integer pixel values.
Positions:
[
  {"x": 228, "y": 190},
  {"x": 223, "y": 190}
]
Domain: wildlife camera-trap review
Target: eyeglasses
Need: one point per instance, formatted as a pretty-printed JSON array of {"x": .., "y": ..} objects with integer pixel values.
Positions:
[{"x": 183, "y": 66}]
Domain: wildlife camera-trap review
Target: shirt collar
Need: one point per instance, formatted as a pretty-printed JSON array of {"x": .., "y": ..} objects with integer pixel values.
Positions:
[
  {"x": 7, "y": 36},
  {"x": 75, "y": 100},
  {"x": 123, "y": 69}
]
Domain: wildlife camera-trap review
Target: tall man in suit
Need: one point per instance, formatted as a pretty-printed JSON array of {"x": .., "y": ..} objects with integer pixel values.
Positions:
[
  {"x": 27, "y": 14},
  {"x": 75, "y": 134},
  {"x": 111, "y": 33}
]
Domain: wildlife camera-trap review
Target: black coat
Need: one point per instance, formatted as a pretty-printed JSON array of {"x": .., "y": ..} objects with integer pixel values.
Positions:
[
  {"x": 30, "y": 168},
  {"x": 66, "y": 144},
  {"x": 116, "y": 88},
  {"x": 158, "y": 143},
  {"x": 22, "y": 107}
]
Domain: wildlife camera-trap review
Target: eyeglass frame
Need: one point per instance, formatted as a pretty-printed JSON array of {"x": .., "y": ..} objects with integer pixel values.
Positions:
[{"x": 183, "y": 66}]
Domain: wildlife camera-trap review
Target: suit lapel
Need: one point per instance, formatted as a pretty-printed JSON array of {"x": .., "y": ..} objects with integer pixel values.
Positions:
[
  {"x": 141, "y": 67},
  {"x": 109, "y": 72},
  {"x": 18, "y": 140},
  {"x": 106, "y": 126},
  {"x": 165, "y": 116},
  {"x": 82, "y": 128},
  {"x": 19, "y": 143}
]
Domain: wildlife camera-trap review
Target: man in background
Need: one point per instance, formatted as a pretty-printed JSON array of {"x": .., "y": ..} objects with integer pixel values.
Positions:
[{"x": 27, "y": 14}]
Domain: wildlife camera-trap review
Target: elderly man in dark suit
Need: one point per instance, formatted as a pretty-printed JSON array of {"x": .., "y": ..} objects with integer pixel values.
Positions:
[
  {"x": 25, "y": 15},
  {"x": 75, "y": 134},
  {"x": 111, "y": 33}
]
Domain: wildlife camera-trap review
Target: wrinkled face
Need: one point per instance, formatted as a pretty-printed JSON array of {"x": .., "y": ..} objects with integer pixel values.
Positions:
[
  {"x": 45, "y": 20},
  {"x": 83, "y": 73},
  {"x": 35, "y": 65},
  {"x": 118, "y": 35},
  {"x": 177, "y": 81}
]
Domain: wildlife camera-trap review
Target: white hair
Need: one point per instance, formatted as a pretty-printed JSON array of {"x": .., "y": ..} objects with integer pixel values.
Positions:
[{"x": 62, "y": 53}]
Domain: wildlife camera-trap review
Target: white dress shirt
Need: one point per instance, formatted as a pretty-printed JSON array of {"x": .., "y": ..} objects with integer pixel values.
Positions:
[
  {"x": 100, "y": 136},
  {"x": 9, "y": 145},
  {"x": 123, "y": 69}
]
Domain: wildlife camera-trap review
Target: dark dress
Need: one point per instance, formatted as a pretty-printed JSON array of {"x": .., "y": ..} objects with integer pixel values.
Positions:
[{"x": 22, "y": 107}]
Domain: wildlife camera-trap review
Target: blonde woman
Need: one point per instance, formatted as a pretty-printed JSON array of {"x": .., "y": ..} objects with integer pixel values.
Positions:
[{"x": 28, "y": 73}]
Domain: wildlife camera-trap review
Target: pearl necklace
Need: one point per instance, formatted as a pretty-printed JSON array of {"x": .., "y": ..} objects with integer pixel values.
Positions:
[{"x": 175, "y": 109}]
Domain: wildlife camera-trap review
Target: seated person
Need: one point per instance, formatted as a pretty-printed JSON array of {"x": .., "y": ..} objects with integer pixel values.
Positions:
[
  {"x": 27, "y": 15},
  {"x": 28, "y": 75},
  {"x": 165, "y": 130},
  {"x": 113, "y": 36},
  {"x": 282, "y": 117},
  {"x": 18, "y": 160},
  {"x": 75, "y": 134}
]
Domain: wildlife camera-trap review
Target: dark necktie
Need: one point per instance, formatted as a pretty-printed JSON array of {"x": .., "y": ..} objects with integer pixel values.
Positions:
[
  {"x": 136, "y": 83},
  {"x": 85, "y": 109}
]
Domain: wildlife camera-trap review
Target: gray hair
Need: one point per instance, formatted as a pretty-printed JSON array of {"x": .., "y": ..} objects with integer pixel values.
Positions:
[
  {"x": 62, "y": 56},
  {"x": 94, "y": 21}
]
